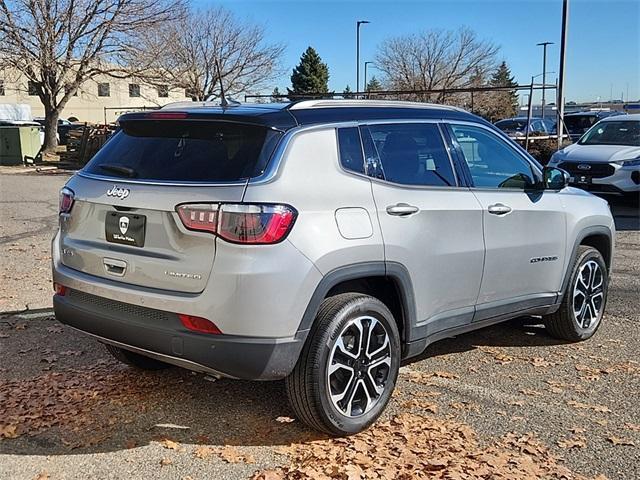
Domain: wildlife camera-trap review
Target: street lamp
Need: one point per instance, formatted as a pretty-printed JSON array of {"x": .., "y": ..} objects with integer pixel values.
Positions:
[
  {"x": 365, "y": 73},
  {"x": 544, "y": 70},
  {"x": 359, "y": 22}
]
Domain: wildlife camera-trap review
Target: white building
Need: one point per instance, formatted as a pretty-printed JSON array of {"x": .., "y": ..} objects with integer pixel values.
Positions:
[{"x": 102, "y": 99}]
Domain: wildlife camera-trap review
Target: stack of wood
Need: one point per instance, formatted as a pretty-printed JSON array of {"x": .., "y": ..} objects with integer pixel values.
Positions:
[{"x": 83, "y": 143}]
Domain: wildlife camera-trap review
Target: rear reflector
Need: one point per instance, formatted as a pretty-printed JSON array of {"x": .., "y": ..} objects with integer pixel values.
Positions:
[
  {"x": 199, "y": 324},
  {"x": 250, "y": 224},
  {"x": 59, "y": 289}
]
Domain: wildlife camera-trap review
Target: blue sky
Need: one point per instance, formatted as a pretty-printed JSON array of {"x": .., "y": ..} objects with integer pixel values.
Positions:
[{"x": 603, "y": 47}]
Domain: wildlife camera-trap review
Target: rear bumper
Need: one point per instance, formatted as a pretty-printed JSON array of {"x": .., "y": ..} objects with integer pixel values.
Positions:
[{"x": 161, "y": 335}]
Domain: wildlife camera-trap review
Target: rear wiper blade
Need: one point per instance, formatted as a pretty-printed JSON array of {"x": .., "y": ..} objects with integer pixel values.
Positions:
[{"x": 119, "y": 169}]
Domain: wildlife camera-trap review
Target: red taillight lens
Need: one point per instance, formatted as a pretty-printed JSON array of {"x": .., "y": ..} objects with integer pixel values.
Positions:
[
  {"x": 66, "y": 200},
  {"x": 60, "y": 289},
  {"x": 240, "y": 223},
  {"x": 255, "y": 224},
  {"x": 199, "y": 324},
  {"x": 200, "y": 217}
]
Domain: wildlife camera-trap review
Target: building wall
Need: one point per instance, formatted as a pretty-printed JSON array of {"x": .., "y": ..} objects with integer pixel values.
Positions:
[{"x": 87, "y": 105}]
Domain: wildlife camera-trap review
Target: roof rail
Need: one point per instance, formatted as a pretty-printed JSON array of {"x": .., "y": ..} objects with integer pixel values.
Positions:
[{"x": 304, "y": 104}]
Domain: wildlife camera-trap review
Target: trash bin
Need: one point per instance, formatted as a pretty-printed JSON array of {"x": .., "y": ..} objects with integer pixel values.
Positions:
[{"x": 16, "y": 142}]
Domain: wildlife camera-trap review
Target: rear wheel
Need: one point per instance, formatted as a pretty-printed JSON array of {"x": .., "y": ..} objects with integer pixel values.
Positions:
[
  {"x": 582, "y": 308},
  {"x": 348, "y": 367},
  {"x": 135, "y": 360}
]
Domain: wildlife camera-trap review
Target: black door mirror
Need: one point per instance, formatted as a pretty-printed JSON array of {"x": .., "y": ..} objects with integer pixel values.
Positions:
[{"x": 555, "y": 178}]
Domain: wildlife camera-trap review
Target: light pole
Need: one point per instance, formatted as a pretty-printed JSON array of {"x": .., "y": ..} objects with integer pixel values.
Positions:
[
  {"x": 365, "y": 73},
  {"x": 560, "y": 91},
  {"x": 359, "y": 22},
  {"x": 544, "y": 70}
]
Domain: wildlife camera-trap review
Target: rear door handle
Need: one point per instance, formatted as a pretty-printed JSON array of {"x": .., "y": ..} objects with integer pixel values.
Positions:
[
  {"x": 402, "y": 209},
  {"x": 499, "y": 209}
]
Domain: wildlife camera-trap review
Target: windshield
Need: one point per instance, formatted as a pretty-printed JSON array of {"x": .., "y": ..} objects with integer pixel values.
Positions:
[
  {"x": 578, "y": 124},
  {"x": 192, "y": 151},
  {"x": 613, "y": 133}
]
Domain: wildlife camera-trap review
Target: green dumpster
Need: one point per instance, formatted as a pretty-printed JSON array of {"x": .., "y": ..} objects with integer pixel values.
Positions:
[{"x": 18, "y": 141}]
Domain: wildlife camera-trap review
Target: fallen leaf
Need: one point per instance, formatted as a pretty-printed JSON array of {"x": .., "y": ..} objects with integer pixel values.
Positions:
[
  {"x": 632, "y": 426},
  {"x": 573, "y": 442},
  {"x": 170, "y": 444},
  {"x": 21, "y": 326},
  {"x": 621, "y": 441},
  {"x": 203, "y": 452},
  {"x": 42, "y": 476},
  {"x": 8, "y": 431},
  {"x": 166, "y": 461},
  {"x": 54, "y": 329},
  {"x": 285, "y": 419}
]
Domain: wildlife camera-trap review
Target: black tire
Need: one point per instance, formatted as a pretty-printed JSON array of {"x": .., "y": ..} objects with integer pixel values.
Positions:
[
  {"x": 135, "y": 360},
  {"x": 308, "y": 386},
  {"x": 564, "y": 324}
]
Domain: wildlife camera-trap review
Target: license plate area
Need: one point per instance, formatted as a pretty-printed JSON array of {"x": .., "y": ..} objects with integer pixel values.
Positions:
[
  {"x": 125, "y": 228},
  {"x": 581, "y": 179}
]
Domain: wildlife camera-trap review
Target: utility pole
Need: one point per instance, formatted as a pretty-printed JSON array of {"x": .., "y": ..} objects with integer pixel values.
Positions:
[
  {"x": 544, "y": 71},
  {"x": 563, "y": 47},
  {"x": 358, "y": 23}
]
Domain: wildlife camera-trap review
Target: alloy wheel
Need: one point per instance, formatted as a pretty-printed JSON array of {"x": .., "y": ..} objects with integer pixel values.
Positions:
[
  {"x": 359, "y": 366},
  {"x": 588, "y": 294}
]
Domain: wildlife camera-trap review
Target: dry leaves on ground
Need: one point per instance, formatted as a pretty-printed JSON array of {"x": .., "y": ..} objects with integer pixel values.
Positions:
[
  {"x": 413, "y": 446},
  {"x": 81, "y": 402},
  {"x": 586, "y": 406}
]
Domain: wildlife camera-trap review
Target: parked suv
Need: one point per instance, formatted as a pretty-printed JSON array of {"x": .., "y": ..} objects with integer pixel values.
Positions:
[{"x": 322, "y": 242}]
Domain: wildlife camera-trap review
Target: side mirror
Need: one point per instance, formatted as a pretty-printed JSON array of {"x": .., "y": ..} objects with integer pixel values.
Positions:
[{"x": 555, "y": 178}]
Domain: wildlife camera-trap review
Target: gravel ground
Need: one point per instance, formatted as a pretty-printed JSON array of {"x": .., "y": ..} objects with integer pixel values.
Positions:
[{"x": 84, "y": 416}]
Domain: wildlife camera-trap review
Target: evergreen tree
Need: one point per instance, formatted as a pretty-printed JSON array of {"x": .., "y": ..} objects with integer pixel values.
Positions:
[
  {"x": 310, "y": 76},
  {"x": 347, "y": 92},
  {"x": 274, "y": 96},
  {"x": 373, "y": 85},
  {"x": 503, "y": 104}
]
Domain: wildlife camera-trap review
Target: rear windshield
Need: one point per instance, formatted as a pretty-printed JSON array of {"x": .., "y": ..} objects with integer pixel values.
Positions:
[
  {"x": 190, "y": 151},
  {"x": 512, "y": 125}
]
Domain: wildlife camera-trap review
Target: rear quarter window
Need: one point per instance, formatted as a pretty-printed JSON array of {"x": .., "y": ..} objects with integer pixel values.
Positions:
[{"x": 190, "y": 151}]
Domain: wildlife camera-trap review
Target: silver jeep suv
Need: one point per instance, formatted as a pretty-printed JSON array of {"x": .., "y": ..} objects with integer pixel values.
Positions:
[{"x": 322, "y": 242}]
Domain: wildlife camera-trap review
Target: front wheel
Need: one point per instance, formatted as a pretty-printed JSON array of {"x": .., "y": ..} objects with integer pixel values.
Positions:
[
  {"x": 348, "y": 367},
  {"x": 582, "y": 308}
]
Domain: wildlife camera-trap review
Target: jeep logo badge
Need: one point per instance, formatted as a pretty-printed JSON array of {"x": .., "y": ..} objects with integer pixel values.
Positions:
[
  {"x": 584, "y": 166},
  {"x": 123, "y": 223},
  {"x": 116, "y": 191}
]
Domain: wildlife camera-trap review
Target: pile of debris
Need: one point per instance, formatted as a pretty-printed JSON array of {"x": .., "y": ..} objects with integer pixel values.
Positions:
[{"x": 83, "y": 143}]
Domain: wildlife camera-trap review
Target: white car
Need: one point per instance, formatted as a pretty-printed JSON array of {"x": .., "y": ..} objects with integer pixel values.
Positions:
[{"x": 606, "y": 159}]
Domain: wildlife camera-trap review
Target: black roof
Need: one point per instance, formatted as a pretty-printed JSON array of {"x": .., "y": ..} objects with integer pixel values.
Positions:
[{"x": 284, "y": 116}]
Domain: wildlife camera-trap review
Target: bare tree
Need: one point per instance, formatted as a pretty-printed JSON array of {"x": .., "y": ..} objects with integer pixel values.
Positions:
[
  {"x": 434, "y": 60},
  {"x": 59, "y": 44},
  {"x": 187, "y": 55}
]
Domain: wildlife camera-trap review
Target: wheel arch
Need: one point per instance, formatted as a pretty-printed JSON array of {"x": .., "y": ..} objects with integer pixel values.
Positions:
[
  {"x": 390, "y": 282},
  {"x": 598, "y": 237}
]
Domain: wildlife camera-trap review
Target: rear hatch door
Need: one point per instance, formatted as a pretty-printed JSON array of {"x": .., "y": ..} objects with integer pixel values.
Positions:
[{"x": 123, "y": 225}]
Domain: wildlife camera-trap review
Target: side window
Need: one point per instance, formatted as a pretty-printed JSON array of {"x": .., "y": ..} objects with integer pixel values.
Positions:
[
  {"x": 350, "y": 149},
  {"x": 492, "y": 162},
  {"x": 408, "y": 153}
]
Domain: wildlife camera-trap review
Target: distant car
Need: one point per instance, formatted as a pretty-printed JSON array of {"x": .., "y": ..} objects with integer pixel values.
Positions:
[
  {"x": 607, "y": 158},
  {"x": 577, "y": 123},
  {"x": 64, "y": 127},
  {"x": 517, "y": 127}
]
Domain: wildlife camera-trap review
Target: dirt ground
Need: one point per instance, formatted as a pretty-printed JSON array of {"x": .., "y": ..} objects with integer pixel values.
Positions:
[{"x": 504, "y": 402}]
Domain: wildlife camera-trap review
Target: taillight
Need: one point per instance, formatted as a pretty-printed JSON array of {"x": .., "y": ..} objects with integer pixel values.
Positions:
[
  {"x": 59, "y": 289},
  {"x": 251, "y": 224},
  {"x": 201, "y": 217},
  {"x": 66, "y": 200},
  {"x": 199, "y": 324}
]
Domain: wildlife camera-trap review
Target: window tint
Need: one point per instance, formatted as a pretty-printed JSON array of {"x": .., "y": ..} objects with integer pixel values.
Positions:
[
  {"x": 185, "y": 151},
  {"x": 104, "y": 90},
  {"x": 134, "y": 90},
  {"x": 350, "y": 149},
  {"x": 1, "y": 88},
  {"x": 410, "y": 154},
  {"x": 492, "y": 162}
]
